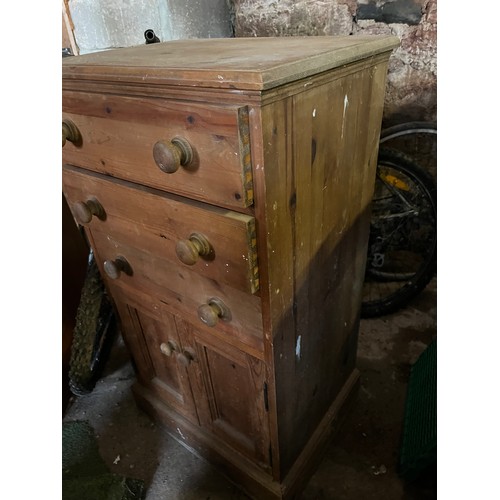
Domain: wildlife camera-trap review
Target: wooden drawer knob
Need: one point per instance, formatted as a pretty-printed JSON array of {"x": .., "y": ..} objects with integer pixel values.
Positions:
[
  {"x": 169, "y": 156},
  {"x": 168, "y": 347},
  {"x": 185, "y": 358},
  {"x": 70, "y": 133},
  {"x": 212, "y": 311},
  {"x": 84, "y": 211},
  {"x": 188, "y": 251},
  {"x": 113, "y": 268}
]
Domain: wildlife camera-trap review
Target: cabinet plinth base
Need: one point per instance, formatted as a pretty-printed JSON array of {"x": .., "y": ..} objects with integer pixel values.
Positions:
[{"x": 255, "y": 481}]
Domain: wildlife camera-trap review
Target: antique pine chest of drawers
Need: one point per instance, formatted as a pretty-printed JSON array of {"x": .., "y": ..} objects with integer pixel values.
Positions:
[{"x": 225, "y": 188}]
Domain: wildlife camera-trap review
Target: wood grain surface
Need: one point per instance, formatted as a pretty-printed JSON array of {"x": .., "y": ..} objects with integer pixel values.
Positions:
[
  {"x": 147, "y": 218},
  {"x": 285, "y": 133},
  {"x": 119, "y": 133},
  {"x": 322, "y": 149},
  {"x": 233, "y": 63}
]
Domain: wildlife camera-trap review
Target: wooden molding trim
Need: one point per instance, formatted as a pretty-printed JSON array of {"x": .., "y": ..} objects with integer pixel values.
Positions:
[{"x": 67, "y": 29}]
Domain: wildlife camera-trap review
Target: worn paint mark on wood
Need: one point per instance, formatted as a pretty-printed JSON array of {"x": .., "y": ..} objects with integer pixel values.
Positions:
[{"x": 298, "y": 347}]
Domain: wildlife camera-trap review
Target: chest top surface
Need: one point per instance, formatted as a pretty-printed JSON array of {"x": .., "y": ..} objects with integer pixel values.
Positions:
[{"x": 233, "y": 63}]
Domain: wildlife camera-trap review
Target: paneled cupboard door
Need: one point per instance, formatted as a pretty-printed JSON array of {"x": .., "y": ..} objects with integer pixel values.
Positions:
[
  {"x": 216, "y": 386},
  {"x": 158, "y": 354},
  {"x": 230, "y": 389}
]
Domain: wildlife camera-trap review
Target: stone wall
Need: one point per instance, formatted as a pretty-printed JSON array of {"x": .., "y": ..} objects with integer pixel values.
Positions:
[{"x": 412, "y": 76}]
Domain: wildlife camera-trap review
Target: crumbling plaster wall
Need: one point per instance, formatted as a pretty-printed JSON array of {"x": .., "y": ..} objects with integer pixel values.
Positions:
[
  {"x": 412, "y": 75},
  {"x": 107, "y": 24}
]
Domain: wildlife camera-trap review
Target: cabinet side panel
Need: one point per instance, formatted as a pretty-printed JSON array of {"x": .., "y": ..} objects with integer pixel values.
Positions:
[{"x": 320, "y": 150}]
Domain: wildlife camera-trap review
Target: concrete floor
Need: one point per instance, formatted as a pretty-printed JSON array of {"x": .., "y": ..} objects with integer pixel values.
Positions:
[{"x": 360, "y": 463}]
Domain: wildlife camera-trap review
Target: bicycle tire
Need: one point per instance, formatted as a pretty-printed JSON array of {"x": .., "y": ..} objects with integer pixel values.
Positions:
[
  {"x": 407, "y": 128},
  {"x": 93, "y": 334},
  {"x": 396, "y": 288},
  {"x": 417, "y": 139}
]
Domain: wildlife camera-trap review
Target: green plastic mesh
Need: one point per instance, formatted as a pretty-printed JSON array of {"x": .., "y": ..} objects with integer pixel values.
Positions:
[{"x": 419, "y": 443}]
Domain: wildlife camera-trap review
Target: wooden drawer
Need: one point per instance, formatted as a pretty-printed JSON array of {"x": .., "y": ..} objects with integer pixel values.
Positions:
[
  {"x": 118, "y": 135},
  {"x": 147, "y": 218},
  {"x": 183, "y": 291}
]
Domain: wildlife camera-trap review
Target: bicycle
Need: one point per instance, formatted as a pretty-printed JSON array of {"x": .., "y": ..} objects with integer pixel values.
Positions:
[
  {"x": 401, "y": 258},
  {"x": 416, "y": 139}
]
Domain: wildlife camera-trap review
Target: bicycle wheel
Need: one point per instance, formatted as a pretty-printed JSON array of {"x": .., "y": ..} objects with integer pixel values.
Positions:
[
  {"x": 93, "y": 333},
  {"x": 401, "y": 256},
  {"x": 418, "y": 140}
]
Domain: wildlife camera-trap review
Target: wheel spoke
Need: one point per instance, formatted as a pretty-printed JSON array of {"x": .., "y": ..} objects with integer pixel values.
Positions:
[{"x": 402, "y": 244}]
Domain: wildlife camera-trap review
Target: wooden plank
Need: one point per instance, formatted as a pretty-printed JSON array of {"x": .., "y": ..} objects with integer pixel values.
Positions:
[
  {"x": 68, "y": 36},
  {"x": 241, "y": 63},
  {"x": 261, "y": 126},
  {"x": 318, "y": 190},
  {"x": 221, "y": 96}
]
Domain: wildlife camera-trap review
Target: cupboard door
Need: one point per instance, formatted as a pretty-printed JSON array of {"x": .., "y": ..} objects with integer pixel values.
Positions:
[
  {"x": 154, "y": 341},
  {"x": 231, "y": 393}
]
